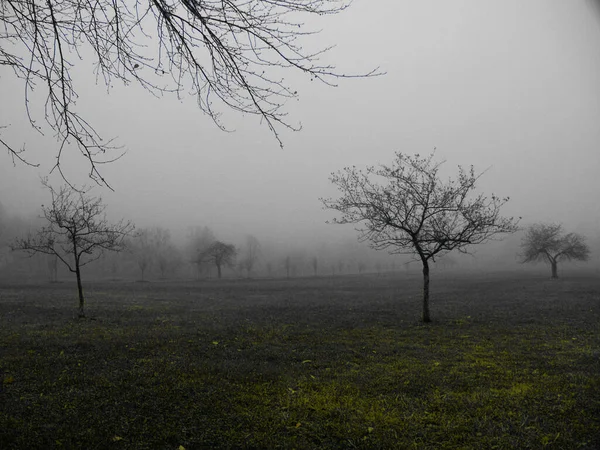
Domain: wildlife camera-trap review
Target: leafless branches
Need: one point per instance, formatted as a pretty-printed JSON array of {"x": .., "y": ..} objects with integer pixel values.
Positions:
[
  {"x": 547, "y": 242},
  {"x": 77, "y": 231},
  {"x": 220, "y": 254},
  {"x": 407, "y": 208},
  {"x": 224, "y": 52}
]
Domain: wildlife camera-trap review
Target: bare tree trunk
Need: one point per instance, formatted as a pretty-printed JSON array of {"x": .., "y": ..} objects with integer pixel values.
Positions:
[
  {"x": 426, "y": 316},
  {"x": 554, "y": 265},
  {"x": 78, "y": 274},
  {"x": 79, "y": 289}
]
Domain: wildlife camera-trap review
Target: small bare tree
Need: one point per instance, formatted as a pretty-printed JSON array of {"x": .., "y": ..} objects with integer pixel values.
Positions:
[
  {"x": 77, "y": 232},
  {"x": 167, "y": 255},
  {"x": 52, "y": 263},
  {"x": 287, "y": 265},
  {"x": 251, "y": 254},
  {"x": 315, "y": 265},
  {"x": 407, "y": 208},
  {"x": 361, "y": 266},
  {"x": 226, "y": 54},
  {"x": 199, "y": 241},
  {"x": 220, "y": 254},
  {"x": 144, "y": 252},
  {"x": 547, "y": 242}
]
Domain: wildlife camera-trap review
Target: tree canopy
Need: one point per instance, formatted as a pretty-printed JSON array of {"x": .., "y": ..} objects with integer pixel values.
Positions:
[
  {"x": 220, "y": 254},
  {"x": 407, "y": 208},
  {"x": 549, "y": 243}
]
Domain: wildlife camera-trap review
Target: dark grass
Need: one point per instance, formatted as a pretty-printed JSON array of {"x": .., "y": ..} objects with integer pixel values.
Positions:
[{"x": 510, "y": 361}]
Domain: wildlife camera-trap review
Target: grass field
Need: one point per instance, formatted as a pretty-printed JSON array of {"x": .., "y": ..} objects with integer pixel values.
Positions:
[{"x": 511, "y": 361}]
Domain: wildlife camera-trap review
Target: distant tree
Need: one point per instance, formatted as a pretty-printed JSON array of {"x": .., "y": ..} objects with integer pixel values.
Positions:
[
  {"x": 332, "y": 267},
  {"x": 250, "y": 254},
  {"x": 112, "y": 264},
  {"x": 361, "y": 266},
  {"x": 3, "y": 237},
  {"x": 77, "y": 232},
  {"x": 287, "y": 265},
  {"x": 165, "y": 253},
  {"x": 143, "y": 250},
  {"x": 315, "y": 265},
  {"x": 169, "y": 259},
  {"x": 407, "y": 208},
  {"x": 219, "y": 254},
  {"x": 52, "y": 262},
  {"x": 446, "y": 262},
  {"x": 3, "y": 221},
  {"x": 199, "y": 241},
  {"x": 226, "y": 54},
  {"x": 547, "y": 242}
]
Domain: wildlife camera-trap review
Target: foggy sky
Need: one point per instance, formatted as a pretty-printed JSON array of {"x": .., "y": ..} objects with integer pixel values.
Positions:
[{"x": 511, "y": 86}]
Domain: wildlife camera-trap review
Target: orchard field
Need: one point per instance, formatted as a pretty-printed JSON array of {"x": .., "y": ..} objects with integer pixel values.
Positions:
[{"x": 511, "y": 360}]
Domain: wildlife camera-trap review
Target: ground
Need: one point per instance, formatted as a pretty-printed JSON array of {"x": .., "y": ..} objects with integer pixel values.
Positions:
[{"x": 512, "y": 360}]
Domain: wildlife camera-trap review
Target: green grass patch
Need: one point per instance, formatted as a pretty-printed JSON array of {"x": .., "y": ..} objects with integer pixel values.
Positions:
[{"x": 313, "y": 363}]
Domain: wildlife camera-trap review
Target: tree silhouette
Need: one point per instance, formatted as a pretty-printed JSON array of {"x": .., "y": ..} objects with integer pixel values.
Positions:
[
  {"x": 220, "y": 254},
  {"x": 547, "y": 242},
  {"x": 407, "y": 208},
  {"x": 77, "y": 232}
]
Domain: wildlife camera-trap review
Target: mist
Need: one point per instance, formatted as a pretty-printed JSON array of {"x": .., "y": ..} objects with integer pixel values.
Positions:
[{"x": 508, "y": 87}]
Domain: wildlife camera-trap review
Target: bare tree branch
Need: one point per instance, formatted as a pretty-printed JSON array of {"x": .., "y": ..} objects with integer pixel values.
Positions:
[{"x": 225, "y": 53}]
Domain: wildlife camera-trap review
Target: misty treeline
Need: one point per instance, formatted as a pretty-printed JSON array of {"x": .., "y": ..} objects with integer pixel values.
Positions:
[
  {"x": 156, "y": 253},
  {"x": 198, "y": 252}
]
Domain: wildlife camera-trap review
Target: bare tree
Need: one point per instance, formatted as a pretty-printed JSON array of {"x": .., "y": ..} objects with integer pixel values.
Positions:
[
  {"x": 407, "y": 208},
  {"x": 169, "y": 258},
  {"x": 200, "y": 239},
  {"x": 3, "y": 220},
  {"x": 220, "y": 254},
  {"x": 225, "y": 53},
  {"x": 144, "y": 252},
  {"x": 159, "y": 249},
  {"x": 361, "y": 266},
  {"x": 77, "y": 232},
  {"x": 52, "y": 264},
  {"x": 547, "y": 242},
  {"x": 287, "y": 265},
  {"x": 332, "y": 268},
  {"x": 251, "y": 254}
]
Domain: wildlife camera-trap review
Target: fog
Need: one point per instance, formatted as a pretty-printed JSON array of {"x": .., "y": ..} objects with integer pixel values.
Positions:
[{"x": 510, "y": 87}]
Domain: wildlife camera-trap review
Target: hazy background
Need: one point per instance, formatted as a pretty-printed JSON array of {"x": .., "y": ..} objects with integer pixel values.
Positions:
[{"x": 511, "y": 86}]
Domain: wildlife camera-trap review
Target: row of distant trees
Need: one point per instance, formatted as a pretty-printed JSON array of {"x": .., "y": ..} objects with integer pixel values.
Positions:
[
  {"x": 414, "y": 213},
  {"x": 153, "y": 251}
]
